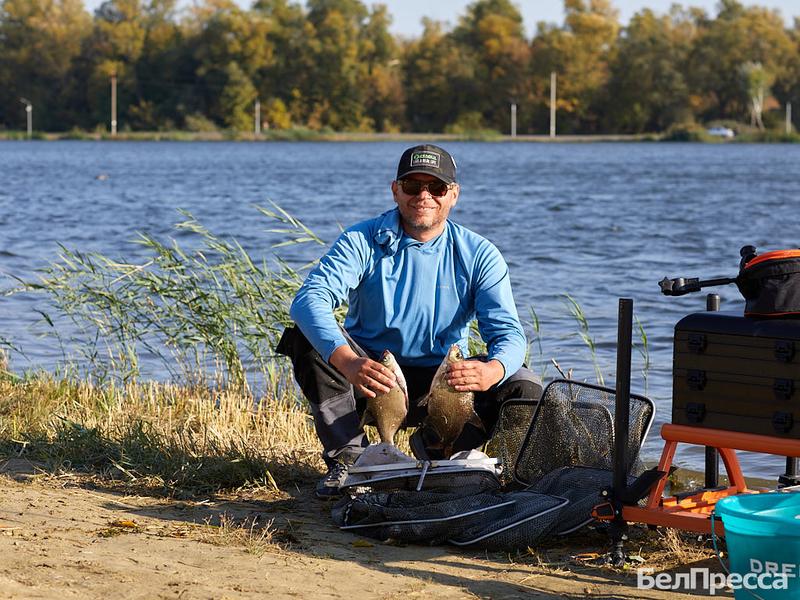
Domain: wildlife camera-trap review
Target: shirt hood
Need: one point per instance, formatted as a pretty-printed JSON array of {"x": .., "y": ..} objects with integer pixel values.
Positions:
[{"x": 388, "y": 233}]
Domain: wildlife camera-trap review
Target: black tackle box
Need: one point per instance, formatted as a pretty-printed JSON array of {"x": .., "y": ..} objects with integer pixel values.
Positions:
[{"x": 737, "y": 373}]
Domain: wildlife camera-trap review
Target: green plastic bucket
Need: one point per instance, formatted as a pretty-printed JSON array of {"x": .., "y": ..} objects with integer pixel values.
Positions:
[{"x": 763, "y": 536}]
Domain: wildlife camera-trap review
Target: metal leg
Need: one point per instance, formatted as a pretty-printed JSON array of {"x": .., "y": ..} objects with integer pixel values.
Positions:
[
  {"x": 712, "y": 467},
  {"x": 790, "y": 477},
  {"x": 712, "y": 456}
]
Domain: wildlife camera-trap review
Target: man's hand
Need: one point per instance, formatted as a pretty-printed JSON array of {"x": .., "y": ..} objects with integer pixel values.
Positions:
[
  {"x": 474, "y": 375},
  {"x": 368, "y": 377}
]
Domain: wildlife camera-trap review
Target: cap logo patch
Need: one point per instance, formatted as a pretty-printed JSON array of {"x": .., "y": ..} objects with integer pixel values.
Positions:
[{"x": 425, "y": 159}]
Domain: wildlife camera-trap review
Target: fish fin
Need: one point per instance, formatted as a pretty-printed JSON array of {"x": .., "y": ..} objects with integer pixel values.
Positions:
[
  {"x": 364, "y": 418},
  {"x": 404, "y": 389},
  {"x": 424, "y": 401}
]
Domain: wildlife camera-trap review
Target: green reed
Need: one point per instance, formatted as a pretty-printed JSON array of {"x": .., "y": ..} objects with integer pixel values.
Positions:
[
  {"x": 536, "y": 327},
  {"x": 583, "y": 330},
  {"x": 644, "y": 349},
  {"x": 206, "y": 309},
  {"x": 191, "y": 308}
]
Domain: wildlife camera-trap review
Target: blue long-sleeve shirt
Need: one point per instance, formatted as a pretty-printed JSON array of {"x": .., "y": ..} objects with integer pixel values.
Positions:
[{"x": 413, "y": 298}]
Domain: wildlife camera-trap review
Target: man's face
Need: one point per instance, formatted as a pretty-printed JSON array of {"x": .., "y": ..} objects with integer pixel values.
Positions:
[{"x": 424, "y": 213}]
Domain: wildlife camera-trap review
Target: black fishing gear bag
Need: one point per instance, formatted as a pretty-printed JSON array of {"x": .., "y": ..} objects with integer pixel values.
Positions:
[
  {"x": 769, "y": 283},
  {"x": 742, "y": 373}
]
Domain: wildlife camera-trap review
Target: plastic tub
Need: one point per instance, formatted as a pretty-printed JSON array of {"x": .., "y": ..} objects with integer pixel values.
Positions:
[{"x": 763, "y": 536}]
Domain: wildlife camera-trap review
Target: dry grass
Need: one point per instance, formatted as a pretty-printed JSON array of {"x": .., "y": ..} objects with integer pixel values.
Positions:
[
  {"x": 179, "y": 441},
  {"x": 254, "y": 537},
  {"x": 586, "y": 550},
  {"x": 187, "y": 442}
]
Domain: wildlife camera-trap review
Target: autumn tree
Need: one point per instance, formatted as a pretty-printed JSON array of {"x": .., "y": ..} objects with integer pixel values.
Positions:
[
  {"x": 737, "y": 36},
  {"x": 580, "y": 53},
  {"x": 40, "y": 41}
]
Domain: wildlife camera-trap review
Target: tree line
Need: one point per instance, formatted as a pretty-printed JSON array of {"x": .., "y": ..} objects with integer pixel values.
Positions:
[{"x": 334, "y": 65}]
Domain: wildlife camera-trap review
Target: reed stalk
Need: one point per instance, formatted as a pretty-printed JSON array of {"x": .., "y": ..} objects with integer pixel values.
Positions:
[{"x": 583, "y": 330}]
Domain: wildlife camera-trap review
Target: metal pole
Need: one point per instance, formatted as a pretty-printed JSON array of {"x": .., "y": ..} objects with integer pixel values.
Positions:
[
  {"x": 622, "y": 408},
  {"x": 113, "y": 104},
  {"x": 553, "y": 104},
  {"x": 29, "y": 115},
  {"x": 258, "y": 117},
  {"x": 513, "y": 119},
  {"x": 788, "y": 118},
  {"x": 712, "y": 456}
]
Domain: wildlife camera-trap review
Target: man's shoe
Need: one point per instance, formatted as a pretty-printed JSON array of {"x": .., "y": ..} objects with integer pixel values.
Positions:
[{"x": 328, "y": 487}]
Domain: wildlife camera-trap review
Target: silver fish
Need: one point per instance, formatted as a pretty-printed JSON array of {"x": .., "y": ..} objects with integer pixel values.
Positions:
[
  {"x": 389, "y": 410},
  {"x": 448, "y": 409}
]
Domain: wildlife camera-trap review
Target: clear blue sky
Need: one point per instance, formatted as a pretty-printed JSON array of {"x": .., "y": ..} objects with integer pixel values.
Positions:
[{"x": 407, "y": 13}]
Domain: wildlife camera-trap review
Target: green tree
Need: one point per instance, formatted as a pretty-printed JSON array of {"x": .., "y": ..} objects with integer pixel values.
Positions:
[
  {"x": 236, "y": 101},
  {"x": 230, "y": 49},
  {"x": 113, "y": 49},
  {"x": 285, "y": 80},
  {"x": 40, "y": 41},
  {"x": 335, "y": 98},
  {"x": 161, "y": 88},
  {"x": 439, "y": 80},
  {"x": 491, "y": 33},
  {"x": 380, "y": 78},
  {"x": 647, "y": 88}
]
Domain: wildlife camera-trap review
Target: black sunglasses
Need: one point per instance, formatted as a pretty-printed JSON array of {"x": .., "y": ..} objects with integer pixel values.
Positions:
[{"x": 414, "y": 187}]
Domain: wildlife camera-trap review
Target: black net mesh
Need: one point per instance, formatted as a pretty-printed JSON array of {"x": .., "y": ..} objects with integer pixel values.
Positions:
[
  {"x": 425, "y": 516},
  {"x": 521, "y": 525},
  {"x": 512, "y": 426},
  {"x": 564, "y": 455},
  {"x": 582, "y": 486},
  {"x": 574, "y": 427}
]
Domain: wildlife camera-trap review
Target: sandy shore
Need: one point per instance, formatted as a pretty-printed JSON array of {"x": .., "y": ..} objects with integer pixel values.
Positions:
[{"x": 64, "y": 537}]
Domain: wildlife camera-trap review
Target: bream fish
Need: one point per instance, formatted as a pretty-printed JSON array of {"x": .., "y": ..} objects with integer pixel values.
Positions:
[
  {"x": 449, "y": 410},
  {"x": 389, "y": 410}
]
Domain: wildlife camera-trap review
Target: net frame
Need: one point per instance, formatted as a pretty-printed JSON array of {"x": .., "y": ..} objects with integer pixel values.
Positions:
[{"x": 567, "y": 403}]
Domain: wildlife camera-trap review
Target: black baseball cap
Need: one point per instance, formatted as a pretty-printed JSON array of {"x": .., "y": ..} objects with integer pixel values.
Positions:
[{"x": 429, "y": 159}]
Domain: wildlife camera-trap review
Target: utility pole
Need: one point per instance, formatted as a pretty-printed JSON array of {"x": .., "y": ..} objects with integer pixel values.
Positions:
[
  {"x": 29, "y": 112},
  {"x": 113, "y": 104},
  {"x": 788, "y": 118},
  {"x": 553, "y": 104},
  {"x": 513, "y": 119},
  {"x": 258, "y": 117}
]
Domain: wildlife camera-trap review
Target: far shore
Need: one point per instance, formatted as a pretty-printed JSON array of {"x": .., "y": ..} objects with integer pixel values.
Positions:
[
  {"x": 320, "y": 136},
  {"x": 301, "y": 134}
]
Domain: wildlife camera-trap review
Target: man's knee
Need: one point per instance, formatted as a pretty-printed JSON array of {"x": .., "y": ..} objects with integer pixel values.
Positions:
[
  {"x": 522, "y": 384},
  {"x": 318, "y": 379}
]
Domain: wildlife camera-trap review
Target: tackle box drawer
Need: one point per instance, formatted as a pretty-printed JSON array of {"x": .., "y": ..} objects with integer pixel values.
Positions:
[{"x": 737, "y": 373}]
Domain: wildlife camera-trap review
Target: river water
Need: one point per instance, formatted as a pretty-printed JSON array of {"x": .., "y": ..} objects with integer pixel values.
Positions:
[{"x": 596, "y": 221}]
